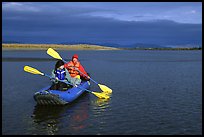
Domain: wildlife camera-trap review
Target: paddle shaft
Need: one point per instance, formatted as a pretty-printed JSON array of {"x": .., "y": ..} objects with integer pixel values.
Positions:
[{"x": 87, "y": 77}]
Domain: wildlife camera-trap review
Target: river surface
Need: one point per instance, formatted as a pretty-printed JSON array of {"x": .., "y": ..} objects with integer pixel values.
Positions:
[{"x": 154, "y": 93}]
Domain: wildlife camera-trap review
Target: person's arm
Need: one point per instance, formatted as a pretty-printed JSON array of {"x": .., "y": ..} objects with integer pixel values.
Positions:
[
  {"x": 81, "y": 68},
  {"x": 53, "y": 74},
  {"x": 67, "y": 65},
  {"x": 53, "y": 79}
]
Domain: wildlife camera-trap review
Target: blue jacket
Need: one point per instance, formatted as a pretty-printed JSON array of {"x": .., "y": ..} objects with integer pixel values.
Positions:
[{"x": 60, "y": 74}]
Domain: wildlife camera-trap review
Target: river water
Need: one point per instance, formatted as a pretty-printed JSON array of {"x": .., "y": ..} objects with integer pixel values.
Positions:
[{"x": 154, "y": 93}]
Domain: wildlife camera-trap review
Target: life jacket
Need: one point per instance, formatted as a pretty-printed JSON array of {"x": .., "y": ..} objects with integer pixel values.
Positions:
[
  {"x": 72, "y": 71},
  {"x": 60, "y": 74}
]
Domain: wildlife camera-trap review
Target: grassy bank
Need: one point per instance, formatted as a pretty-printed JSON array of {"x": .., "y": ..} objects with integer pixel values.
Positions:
[{"x": 54, "y": 46}]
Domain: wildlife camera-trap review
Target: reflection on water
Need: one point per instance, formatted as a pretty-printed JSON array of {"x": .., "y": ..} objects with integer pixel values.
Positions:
[
  {"x": 101, "y": 113},
  {"x": 47, "y": 117},
  {"x": 100, "y": 106},
  {"x": 51, "y": 119},
  {"x": 102, "y": 103},
  {"x": 73, "y": 118},
  {"x": 78, "y": 118}
]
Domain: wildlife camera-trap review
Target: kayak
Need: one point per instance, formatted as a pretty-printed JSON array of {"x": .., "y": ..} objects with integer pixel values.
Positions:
[{"x": 45, "y": 96}]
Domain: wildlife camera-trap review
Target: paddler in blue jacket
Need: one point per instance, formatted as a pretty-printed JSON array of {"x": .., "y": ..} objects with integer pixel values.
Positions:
[{"x": 60, "y": 73}]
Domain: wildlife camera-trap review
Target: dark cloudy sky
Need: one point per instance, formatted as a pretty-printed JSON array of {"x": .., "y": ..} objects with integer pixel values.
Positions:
[{"x": 125, "y": 23}]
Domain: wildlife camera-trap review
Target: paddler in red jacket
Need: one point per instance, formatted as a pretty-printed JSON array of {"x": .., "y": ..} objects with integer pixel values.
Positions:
[{"x": 75, "y": 69}]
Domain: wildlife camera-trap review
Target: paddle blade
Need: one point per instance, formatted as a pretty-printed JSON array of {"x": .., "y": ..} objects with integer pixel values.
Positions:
[
  {"x": 53, "y": 53},
  {"x": 105, "y": 89},
  {"x": 32, "y": 70},
  {"x": 101, "y": 95}
]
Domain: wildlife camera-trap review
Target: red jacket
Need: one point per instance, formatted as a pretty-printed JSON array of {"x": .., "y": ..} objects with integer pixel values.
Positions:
[{"x": 73, "y": 72}]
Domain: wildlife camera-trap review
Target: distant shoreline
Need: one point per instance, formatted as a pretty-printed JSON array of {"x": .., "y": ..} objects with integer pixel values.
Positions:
[
  {"x": 193, "y": 48},
  {"x": 14, "y": 46},
  {"x": 54, "y": 46}
]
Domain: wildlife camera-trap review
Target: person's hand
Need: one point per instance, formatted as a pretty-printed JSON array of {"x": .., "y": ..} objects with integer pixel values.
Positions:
[
  {"x": 87, "y": 77},
  {"x": 52, "y": 79},
  {"x": 76, "y": 68}
]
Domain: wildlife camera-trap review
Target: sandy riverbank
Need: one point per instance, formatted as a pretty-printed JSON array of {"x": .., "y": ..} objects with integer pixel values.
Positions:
[{"x": 54, "y": 46}]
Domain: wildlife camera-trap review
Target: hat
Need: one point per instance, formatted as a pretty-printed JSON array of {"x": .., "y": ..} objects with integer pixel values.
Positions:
[
  {"x": 59, "y": 63},
  {"x": 75, "y": 56}
]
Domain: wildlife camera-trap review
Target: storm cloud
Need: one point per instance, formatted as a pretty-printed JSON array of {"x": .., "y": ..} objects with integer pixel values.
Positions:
[{"x": 48, "y": 23}]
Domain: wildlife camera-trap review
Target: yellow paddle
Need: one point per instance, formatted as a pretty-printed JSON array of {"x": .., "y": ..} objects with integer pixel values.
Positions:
[
  {"x": 55, "y": 55},
  {"x": 35, "y": 71},
  {"x": 32, "y": 70}
]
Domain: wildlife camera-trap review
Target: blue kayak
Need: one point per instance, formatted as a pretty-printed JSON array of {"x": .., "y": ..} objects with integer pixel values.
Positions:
[{"x": 55, "y": 97}]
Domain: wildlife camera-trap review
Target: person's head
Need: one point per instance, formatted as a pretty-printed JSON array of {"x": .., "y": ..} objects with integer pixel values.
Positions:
[
  {"x": 59, "y": 64},
  {"x": 75, "y": 58}
]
